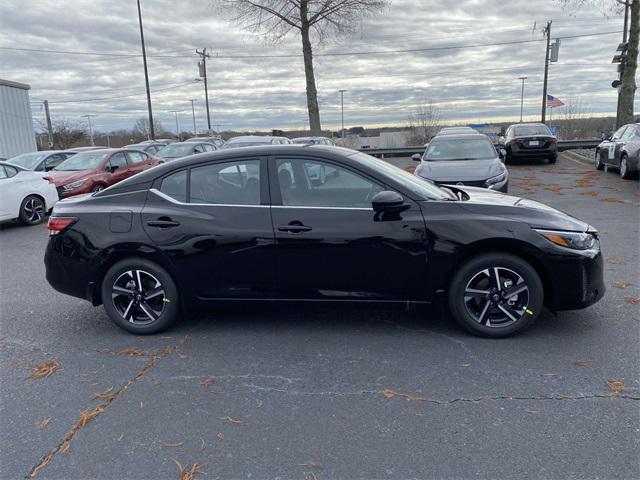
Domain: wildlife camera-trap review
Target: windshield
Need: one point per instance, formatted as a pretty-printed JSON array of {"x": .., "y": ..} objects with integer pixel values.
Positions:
[
  {"x": 420, "y": 187},
  {"x": 28, "y": 160},
  {"x": 526, "y": 130},
  {"x": 460, "y": 149},
  {"x": 83, "y": 161},
  {"x": 175, "y": 150}
]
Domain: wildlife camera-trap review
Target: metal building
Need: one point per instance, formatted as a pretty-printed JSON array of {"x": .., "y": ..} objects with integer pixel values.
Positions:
[{"x": 16, "y": 123}]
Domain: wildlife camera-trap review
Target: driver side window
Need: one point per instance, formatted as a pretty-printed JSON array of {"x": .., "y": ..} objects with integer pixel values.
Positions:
[
  {"x": 314, "y": 183},
  {"x": 118, "y": 160}
]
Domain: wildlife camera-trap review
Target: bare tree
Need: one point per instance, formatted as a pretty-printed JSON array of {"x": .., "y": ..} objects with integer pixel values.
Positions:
[
  {"x": 65, "y": 133},
  {"x": 311, "y": 18},
  {"x": 424, "y": 123},
  {"x": 628, "y": 87},
  {"x": 141, "y": 128},
  {"x": 571, "y": 119}
]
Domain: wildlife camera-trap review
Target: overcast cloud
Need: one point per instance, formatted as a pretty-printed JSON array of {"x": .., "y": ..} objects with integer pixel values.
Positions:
[{"x": 469, "y": 84}]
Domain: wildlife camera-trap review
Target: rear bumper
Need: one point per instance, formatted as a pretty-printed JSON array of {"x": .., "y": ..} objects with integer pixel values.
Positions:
[{"x": 516, "y": 151}]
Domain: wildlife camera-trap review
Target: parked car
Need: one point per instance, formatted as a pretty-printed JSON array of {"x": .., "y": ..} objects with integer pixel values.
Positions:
[
  {"x": 247, "y": 224},
  {"x": 530, "y": 140},
  {"x": 621, "y": 150},
  {"x": 84, "y": 149},
  {"x": 41, "y": 161},
  {"x": 184, "y": 149},
  {"x": 455, "y": 130},
  {"x": 96, "y": 170},
  {"x": 254, "y": 141},
  {"x": 25, "y": 195},
  {"x": 216, "y": 141},
  {"x": 148, "y": 147},
  {"x": 313, "y": 141},
  {"x": 463, "y": 159}
]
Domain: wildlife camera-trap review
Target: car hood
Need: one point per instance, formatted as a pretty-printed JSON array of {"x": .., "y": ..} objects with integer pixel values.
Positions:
[
  {"x": 62, "y": 177},
  {"x": 460, "y": 170},
  {"x": 538, "y": 215}
]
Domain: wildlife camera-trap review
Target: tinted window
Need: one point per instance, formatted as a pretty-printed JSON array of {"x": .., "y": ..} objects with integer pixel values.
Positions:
[
  {"x": 118, "y": 160},
  {"x": 175, "y": 186},
  {"x": 313, "y": 183},
  {"x": 3, "y": 174},
  {"x": 460, "y": 149},
  {"x": 55, "y": 160},
  {"x": 198, "y": 149},
  {"x": 10, "y": 171},
  {"x": 230, "y": 183},
  {"x": 628, "y": 133},
  {"x": 619, "y": 132},
  {"x": 525, "y": 130},
  {"x": 136, "y": 157},
  {"x": 28, "y": 160},
  {"x": 83, "y": 161}
]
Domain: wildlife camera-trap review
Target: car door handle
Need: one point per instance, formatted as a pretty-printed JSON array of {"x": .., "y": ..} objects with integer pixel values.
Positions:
[
  {"x": 294, "y": 228},
  {"x": 163, "y": 223}
]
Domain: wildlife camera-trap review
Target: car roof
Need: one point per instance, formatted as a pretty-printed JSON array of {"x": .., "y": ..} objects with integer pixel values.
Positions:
[
  {"x": 254, "y": 138},
  {"x": 530, "y": 124},
  {"x": 459, "y": 136},
  {"x": 9, "y": 164}
]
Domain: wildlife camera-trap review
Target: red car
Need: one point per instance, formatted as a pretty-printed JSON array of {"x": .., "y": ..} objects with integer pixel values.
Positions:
[{"x": 95, "y": 170}]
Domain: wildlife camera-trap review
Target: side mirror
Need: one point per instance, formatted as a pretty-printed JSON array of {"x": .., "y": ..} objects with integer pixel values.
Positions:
[
  {"x": 502, "y": 153},
  {"x": 501, "y": 140},
  {"x": 416, "y": 157},
  {"x": 48, "y": 167},
  {"x": 112, "y": 168},
  {"x": 388, "y": 201}
]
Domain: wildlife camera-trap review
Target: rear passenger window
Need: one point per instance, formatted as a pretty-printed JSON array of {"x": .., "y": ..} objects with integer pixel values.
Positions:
[
  {"x": 230, "y": 183},
  {"x": 175, "y": 185}
]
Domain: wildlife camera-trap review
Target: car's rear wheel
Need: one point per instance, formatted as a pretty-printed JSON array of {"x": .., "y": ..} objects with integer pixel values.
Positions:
[
  {"x": 495, "y": 295},
  {"x": 32, "y": 210},
  {"x": 140, "y": 296},
  {"x": 599, "y": 164},
  {"x": 624, "y": 168}
]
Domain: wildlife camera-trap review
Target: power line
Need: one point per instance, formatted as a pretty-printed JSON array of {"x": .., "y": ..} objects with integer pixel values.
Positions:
[{"x": 87, "y": 100}]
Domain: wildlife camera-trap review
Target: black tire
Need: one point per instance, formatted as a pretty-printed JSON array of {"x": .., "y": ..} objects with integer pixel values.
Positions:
[
  {"x": 599, "y": 164},
  {"x": 32, "y": 211},
  {"x": 478, "y": 307},
  {"x": 508, "y": 158},
  {"x": 98, "y": 188},
  {"x": 134, "y": 311},
  {"x": 625, "y": 173},
  {"x": 553, "y": 158}
]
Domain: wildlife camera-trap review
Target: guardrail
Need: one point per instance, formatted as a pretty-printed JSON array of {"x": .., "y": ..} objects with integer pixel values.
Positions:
[{"x": 408, "y": 151}]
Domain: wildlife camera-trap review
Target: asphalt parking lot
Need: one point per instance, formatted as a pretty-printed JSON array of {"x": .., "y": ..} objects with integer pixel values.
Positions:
[{"x": 281, "y": 392}]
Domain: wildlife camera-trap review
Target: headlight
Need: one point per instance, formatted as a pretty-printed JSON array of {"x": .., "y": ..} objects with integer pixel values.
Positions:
[
  {"x": 496, "y": 179},
  {"x": 573, "y": 240},
  {"x": 73, "y": 185}
]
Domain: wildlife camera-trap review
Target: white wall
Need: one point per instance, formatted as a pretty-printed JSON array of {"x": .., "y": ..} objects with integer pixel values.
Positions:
[{"x": 16, "y": 123}]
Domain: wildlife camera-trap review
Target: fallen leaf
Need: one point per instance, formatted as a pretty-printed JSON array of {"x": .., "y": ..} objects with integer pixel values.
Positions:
[
  {"x": 120, "y": 437},
  {"x": 45, "y": 369},
  {"x": 355, "y": 360},
  {"x": 534, "y": 410},
  {"x": 590, "y": 193},
  {"x": 207, "y": 381},
  {"x": 141, "y": 405},
  {"x": 183, "y": 356},
  {"x": 633, "y": 300},
  {"x": 220, "y": 436},
  {"x": 616, "y": 385},
  {"x": 233, "y": 421},
  {"x": 311, "y": 464},
  {"x": 389, "y": 393},
  {"x": 46, "y": 459},
  {"x": 87, "y": 415},
  {"x": 611, "y": 200},
  {"x": 187, "y": 473},
  {"x": 622, "y": 285},
  {"x": 106, "y": 396},
  {"x": 45, "y": 423},
  {"x": 582, "y": 363},
  {"x": 259, "y": 403},
  {"x": 465, "y": 365},
  {"x": 174, "y": 445},
  {"x": 614, "y": 261},
  {"x": 67, "y": 446},
  {"x": 132, "y": 352}
]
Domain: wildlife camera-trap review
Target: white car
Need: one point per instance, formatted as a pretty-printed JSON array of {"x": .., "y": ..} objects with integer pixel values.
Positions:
[{"x": 25, "y": 195}]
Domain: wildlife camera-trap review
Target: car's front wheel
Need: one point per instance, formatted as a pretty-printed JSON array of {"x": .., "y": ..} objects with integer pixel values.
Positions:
[
  {"x": 599, "y": 164},
  {"x": 553, "y": 158},
  {"x": 624, "y": 167},
  {"x": 140, "y": 296},
  {"x": 32, "y": 210},
  {"x": 495, "y": 295}
]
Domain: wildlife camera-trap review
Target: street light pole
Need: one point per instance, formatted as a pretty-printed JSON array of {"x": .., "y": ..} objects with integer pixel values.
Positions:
[
  {"x": 203, "y": 73},
  {"x": 146, "y": 74},
  {"x": 342, "y": 109},
  {"x": 193, "y": 114},
  {"x": 522, "y": 97},
  {"x": 176, "y": 112},
  {"x": 88, "y": 117}
]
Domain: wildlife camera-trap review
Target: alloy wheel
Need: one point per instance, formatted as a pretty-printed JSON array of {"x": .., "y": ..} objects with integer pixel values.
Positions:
[
  {"x": 34, "y": 210},
  {"x": 138, "y": 297},
  {"x": 97, "y": 188},
  {"x": 496, "y": 297}
]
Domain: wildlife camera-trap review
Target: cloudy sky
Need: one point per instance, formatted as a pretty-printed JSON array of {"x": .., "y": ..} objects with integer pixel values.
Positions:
[{"x": 249, "y": 88}]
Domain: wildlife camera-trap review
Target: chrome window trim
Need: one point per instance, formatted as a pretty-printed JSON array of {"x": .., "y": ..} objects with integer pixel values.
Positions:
[{"x": 322, "y": 208}]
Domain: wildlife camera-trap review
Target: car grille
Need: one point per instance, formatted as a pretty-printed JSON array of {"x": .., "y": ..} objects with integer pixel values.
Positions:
[{"x": 472, "y": 183}]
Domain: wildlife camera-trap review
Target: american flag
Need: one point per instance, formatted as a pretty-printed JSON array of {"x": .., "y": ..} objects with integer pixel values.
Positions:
[{"x": 553, "y": 102}]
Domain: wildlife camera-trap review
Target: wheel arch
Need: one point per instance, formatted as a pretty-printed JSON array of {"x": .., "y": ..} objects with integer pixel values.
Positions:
[
  {"x": 513, "y": 247},
  {"x": 32, "y": 194}
]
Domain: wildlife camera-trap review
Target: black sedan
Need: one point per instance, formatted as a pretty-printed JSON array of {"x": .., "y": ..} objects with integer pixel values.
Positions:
[
  {"x": 463, "y": 159},
  {"x": 248, "y": 224},
  {"x": 184, "y": 149},
  {"x": 529, "y": 141},
  {"x": 621, "y": 150}
]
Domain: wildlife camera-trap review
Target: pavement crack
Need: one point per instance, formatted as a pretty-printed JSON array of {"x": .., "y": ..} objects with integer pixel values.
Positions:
[{"x": 90, "y": 414}]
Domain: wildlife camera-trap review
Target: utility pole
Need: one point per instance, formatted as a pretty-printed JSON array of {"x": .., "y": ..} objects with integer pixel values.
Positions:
[
  {"x": 193, "y": 114},
  {"x": 547, "y": 32},
  {"x": 621, "y": 70},
  {"x": 202, "y": 64},
  {"x": 342, "y": 108},
  {"x": 49, "y": 127},
  {"x": 88, "y": 117},
  {"x": 146, "y": 74},
  {"x": 522, "y": 97},
  {"x": 176, "y": 112}
]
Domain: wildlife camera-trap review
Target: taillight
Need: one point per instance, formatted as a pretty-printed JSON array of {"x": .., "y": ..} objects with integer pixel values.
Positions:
[
  {"x": 58, "y": 224},
  {"x": 553, "y": 140},
  {"x": 515, "y": 141}
]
